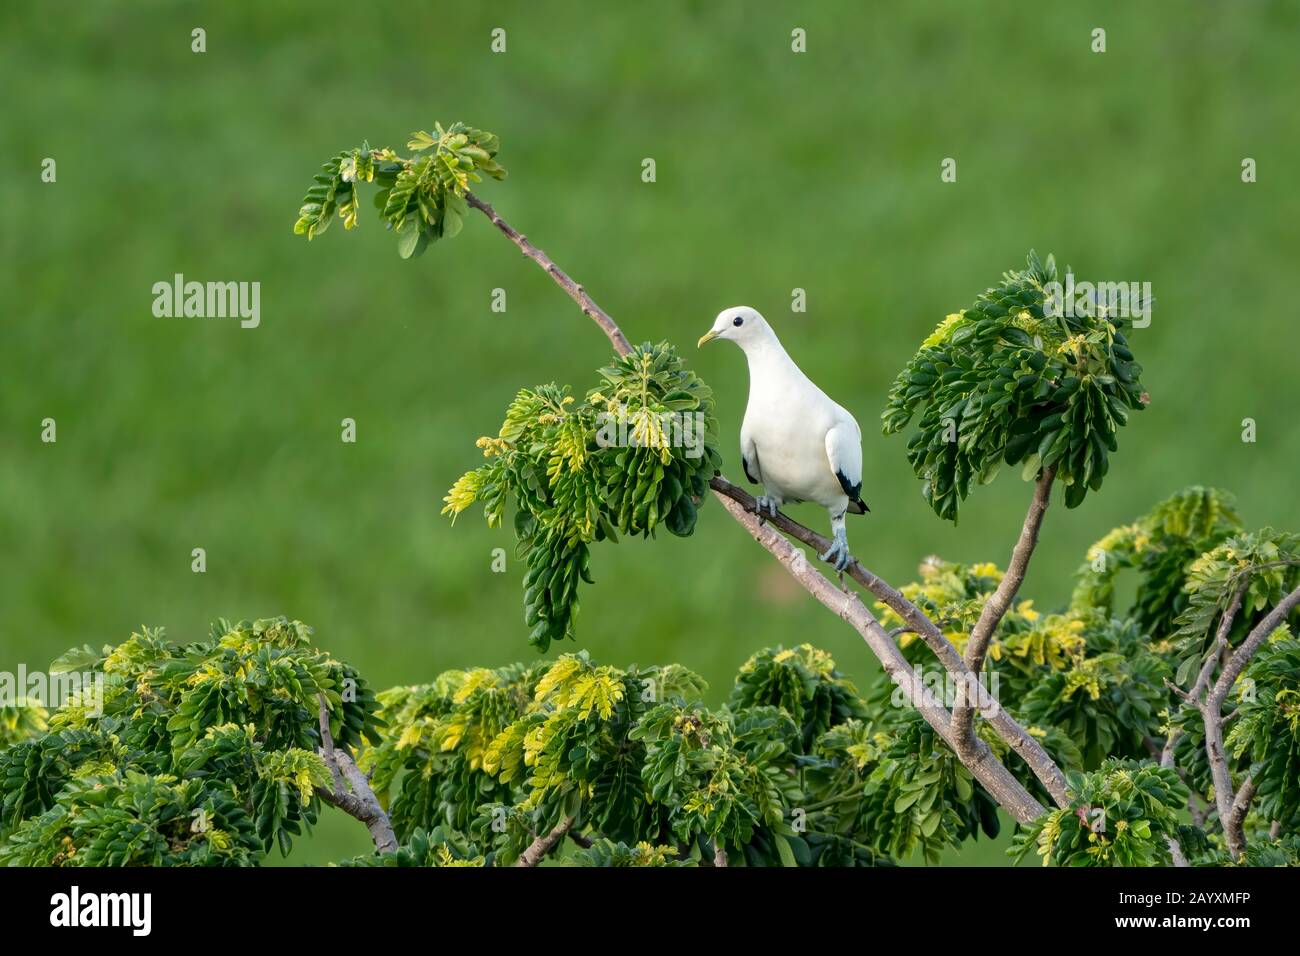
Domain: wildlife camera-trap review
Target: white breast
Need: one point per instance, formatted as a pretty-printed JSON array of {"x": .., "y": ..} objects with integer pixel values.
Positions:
[{"x": 787, "y": 424}]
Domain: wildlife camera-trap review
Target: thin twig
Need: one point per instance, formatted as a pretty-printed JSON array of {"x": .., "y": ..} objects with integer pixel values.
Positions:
[
  {"x": 576, "y": 292},
  {"x": 996, "y": 607}
]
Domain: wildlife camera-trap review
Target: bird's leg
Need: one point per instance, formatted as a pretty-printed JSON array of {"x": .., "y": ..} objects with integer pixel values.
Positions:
[
  {"x": 838, "y": 552},
  {"x": 768, "y": 503}
]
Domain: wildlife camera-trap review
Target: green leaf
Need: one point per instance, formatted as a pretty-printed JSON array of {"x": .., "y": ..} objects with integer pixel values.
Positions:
[{"x": 407, "y": 238}]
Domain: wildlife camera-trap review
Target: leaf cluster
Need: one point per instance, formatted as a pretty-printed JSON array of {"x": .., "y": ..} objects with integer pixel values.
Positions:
[
  {"x": 634, "y": 455},
  {"x": 420, "y": 197},
  {"x": 1004, "y": 382},
  {"x": 202, "y": 753},
  {"x": 649, "y": 774}
]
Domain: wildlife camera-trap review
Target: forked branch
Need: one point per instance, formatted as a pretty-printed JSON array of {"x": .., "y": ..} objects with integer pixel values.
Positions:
[{"x": 351, "y": 792}]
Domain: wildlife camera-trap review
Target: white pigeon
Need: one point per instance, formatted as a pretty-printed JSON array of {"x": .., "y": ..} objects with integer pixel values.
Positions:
[{"x": 795, "y": 440}]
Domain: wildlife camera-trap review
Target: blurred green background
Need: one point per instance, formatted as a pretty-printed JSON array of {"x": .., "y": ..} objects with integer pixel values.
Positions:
[{"x": 775, "y": 171}]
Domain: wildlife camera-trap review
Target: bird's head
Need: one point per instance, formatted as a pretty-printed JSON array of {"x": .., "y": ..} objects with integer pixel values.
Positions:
[{"x": 739, "y": 324}]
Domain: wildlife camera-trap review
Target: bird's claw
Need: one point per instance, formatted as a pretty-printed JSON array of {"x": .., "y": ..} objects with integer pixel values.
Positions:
[
  {"x": 765, "y": 503},
  {"x": 838, "y": 553}
]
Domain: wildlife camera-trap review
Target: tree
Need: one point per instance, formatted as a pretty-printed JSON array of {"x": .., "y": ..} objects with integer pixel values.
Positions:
[{"x": 1162, "y": 732}]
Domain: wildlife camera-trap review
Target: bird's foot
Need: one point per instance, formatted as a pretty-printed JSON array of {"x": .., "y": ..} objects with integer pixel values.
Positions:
[
  {"x": 838, "y": 553},
  {"x": 766, "y": 503}
]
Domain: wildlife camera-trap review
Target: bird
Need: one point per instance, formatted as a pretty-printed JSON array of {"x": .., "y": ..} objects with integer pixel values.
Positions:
[{"x": 795, "y": 441}]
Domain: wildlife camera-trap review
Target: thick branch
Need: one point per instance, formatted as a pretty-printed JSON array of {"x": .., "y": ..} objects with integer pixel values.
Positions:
[
  {"x": 1234, "y": 827},
  {"x": 1176, "y": 852},
  {"x": 1024, "y": 744},
  {"x": 1212, "y": 714},
  {"x": 985, "y": 767},
  {"x": 982, "y": 763},
  {"x": 541, "y": 846},
  {"x": 361, "y": 801},
  {"x": 996, "y": 607}
]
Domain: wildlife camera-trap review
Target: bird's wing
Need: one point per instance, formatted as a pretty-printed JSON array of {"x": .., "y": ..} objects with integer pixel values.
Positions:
[
  {"x": 749, "y": 456},
  {"x": 844, "y": 450}
]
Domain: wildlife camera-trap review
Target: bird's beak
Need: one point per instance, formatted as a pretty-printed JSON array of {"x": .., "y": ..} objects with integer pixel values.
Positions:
[{"x": 708, "y": 336}]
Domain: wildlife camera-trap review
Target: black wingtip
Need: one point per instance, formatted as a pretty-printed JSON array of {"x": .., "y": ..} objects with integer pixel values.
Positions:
[{"x": 854, "y": 491}]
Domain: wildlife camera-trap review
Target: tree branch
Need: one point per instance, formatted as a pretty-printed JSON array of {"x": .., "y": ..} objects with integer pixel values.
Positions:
[
  {"x": 1024, "y": 744},
  {"x": 1212, "y": 714},
  {"x": 576, "y": 292},
  {"x": 542, "y": 845},
  {"x": 995, "y": 608},
  {"x": 361, "y": 802},
  {"x": 1193, "y": 696},
  {"x": 1242, "y": 655},
  {"x": 1234, "y": 826},
  {"x": 980, "y": 761},
  {"x": 1176, "y": 852},
  {"x": 984, "y": 766}
]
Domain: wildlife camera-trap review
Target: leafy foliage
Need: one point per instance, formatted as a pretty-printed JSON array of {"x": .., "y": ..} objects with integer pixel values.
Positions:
[
  {"x": 1266, "y": 561},
  {"x": 1005, "y": 383},
  {"x": 636, "y": 454},
  {"x": 197, "y": 754},
  {"x": 804, "y": 683},
  {"x": 439, "y": 847},
  {"x": 659, "y": 779},
  {"x": 607, "y": 853},
  {"x": 1086, "y": 680},
  {"x": 1266, "y": 729},
  {"x": 1091, "y": 681},
  {"x": 915, "y": 796},
  {"x": 1107, "y": 699},
  {"x": 420, "y": 197},
  {"x": 1122, "y": 815},
  {"x": 1192, "y": 558},
  {"x": 21, "y": 721},
  {"x": 1161, "y": 545}
]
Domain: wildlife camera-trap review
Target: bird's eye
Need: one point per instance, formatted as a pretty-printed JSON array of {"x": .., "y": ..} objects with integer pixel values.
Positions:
[{"x": 738, "y": 321}]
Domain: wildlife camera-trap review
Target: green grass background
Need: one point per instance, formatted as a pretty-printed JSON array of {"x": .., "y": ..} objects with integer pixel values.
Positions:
[{"x": 775, "y": 171}]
